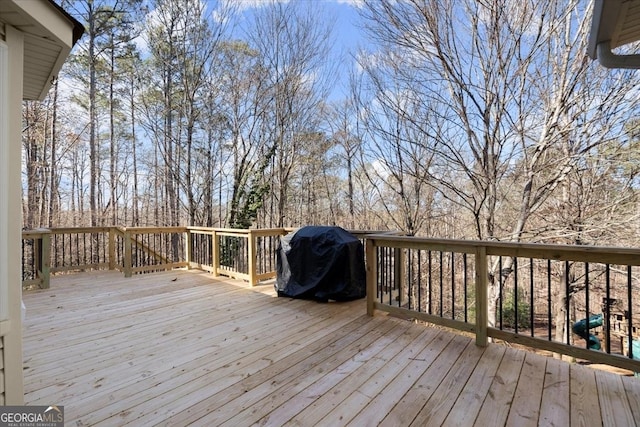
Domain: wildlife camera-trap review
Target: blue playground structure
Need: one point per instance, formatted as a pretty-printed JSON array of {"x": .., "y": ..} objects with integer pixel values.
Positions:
[{"x": 580, "y": 328}]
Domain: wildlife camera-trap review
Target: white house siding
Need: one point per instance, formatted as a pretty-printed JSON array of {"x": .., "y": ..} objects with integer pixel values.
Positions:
[
  {"x": 37, "y": 37},
  {"x": 1, "y": 373},
  {"x": 10, "y": 220}
]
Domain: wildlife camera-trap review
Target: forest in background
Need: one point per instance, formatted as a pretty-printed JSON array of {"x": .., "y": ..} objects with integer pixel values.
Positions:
[{"x": 463, "y": 119}]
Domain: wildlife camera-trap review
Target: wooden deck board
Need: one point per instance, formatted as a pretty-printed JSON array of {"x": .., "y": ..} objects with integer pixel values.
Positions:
[
  {"x": 275, "y": 371},
  {"x": 443, "y": 398},
  {"x": 156, "y": 354},
  {"x": 183, "y": 348},
  {"x": 470, "y": 401},
  {"x": 180, "y": 383},
  {"x": 585, "y": 405},
  {"x": 340, "y": 404},
  {"x": 154, "y": 336},
  {"x": 613, "y": 401},
  {"x": 554, "y": 408},
  {"x": 409, "y": 405},
  {"x": 313, "y": 403},
  {"x": 497, "y": 404},
  {"x": 525, "y": 406},
  {"x": 259, "y": 395},
  {"x": 270, "y": 396},
  {"x": 376, "y": 394},
  {"x": 633, "y": 395}
]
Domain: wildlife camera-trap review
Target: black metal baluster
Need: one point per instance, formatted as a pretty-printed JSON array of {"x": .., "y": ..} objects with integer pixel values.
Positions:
[
  {"x": 549, "y": 299},
  {"x": 586, "y": 298},
  {"x": 419, "y": 280},
  {"x": 531, "y": 303},
  {"x": 630, "y": 317},
  {"x": 607, "y": 306},
  {"x": 566, "y": 300},
  {"x": 515, "y": 293},
  {"x": 453, "y": 287},
  {"x": 500, "y": 292},
  {"x": 71, "y": 250},
  {"x": 465, "y": 280},
  {"x": 429, "y": 284},
  {"x": 410, "y": 277},
  {"x": 393, "y": 283},
  {"x": 441, "y": 285},
  {"x": 380, "y": 281}
]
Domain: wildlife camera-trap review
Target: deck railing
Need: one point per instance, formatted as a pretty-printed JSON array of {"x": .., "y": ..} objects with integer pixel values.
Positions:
[
  {"x": 47, "y": 251},
  {"x": 578, "y": 301},
  {"x": 238, "y": 253},
  {"x": 242, "y": 254},
  {"x": 574, "y": 300}
]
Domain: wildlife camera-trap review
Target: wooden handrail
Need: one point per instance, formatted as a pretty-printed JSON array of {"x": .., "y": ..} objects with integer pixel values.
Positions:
[
  {"x": 600, "y": 254},
  {"x": 152, "y": 230},
  {"x": 79, "y": 230}
]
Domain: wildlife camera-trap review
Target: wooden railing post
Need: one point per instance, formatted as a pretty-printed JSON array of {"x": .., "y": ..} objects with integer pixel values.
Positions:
[
  {"x": 188, "y": 248},
  {"x": 37, "y": 257},
  {"x": 371, "y": 261},
  {"x": 252, "y": 253},
  {"x": 42, "y": 254},
  {"x": 215, "y": 256},
  {"x": 128, "y": 265},
  {"x": 112, "y": 248},
  {"x": 482, "y": 302}
]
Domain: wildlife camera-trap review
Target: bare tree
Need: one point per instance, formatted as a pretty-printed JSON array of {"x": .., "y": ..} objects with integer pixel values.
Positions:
[
  {"x": 36, "y": 120},
  {"x": 509, "y": 101},
  {"x": 395, "y": 154},
  {"x": 197, "y": 61},
  {"x": 344, "y": 136},
  {"x": 293, "y": 44},
  {"x": 243, "y": 90},
  {"x": 99, "y": 17}
]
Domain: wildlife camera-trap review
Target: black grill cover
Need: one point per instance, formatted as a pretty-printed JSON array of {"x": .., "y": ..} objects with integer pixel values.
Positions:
[{"x": 321, "y": 263}]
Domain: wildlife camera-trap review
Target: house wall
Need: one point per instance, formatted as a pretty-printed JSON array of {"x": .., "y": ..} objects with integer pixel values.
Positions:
[
  {"x": 11, "y": 379},
  {"x": 49, "y": 34},
  {"x": 4, "y": 293},
  {"x": 1, "y": 374}
]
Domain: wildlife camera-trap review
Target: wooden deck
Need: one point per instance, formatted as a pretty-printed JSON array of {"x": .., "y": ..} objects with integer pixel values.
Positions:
[{"x": 182, "y": 348}]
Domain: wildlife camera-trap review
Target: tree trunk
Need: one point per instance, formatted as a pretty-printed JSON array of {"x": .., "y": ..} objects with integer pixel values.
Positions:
[
  {"x": 93, "y": 141},
  {"x": 113, "y": 155}
]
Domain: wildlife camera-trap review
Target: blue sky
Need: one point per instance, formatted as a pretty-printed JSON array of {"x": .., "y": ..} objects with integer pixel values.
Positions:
[
  {"x": 342, "y": 14},
  {"x": 346, "y": 12},
  {"x": 348, "y": 36},
  {"x": 346, "y": 25},
  {"x": 346, "y": 32}
]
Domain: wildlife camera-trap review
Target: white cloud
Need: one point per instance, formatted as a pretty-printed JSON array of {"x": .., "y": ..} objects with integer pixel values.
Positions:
[
  {"x": 354, "y": 3},
  {"x": 248, "y": 4},
  {"x": 381, "y": 168}
]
